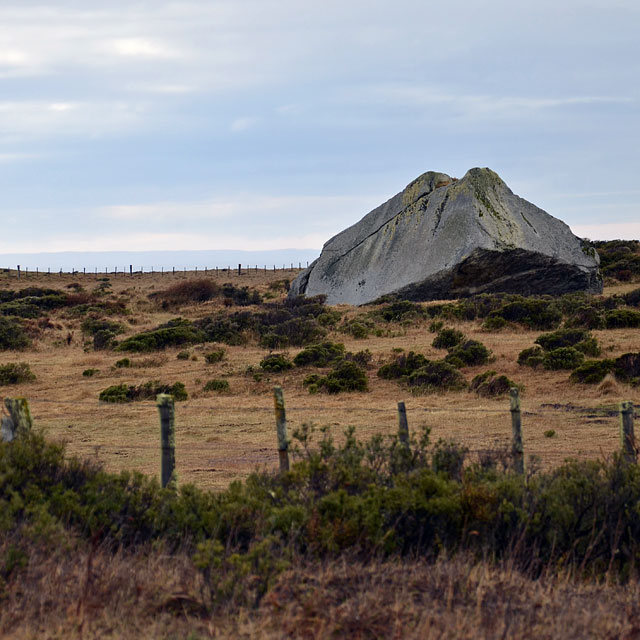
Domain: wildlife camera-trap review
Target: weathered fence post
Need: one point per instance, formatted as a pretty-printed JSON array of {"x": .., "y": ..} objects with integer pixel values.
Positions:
[
  {"x": 239, "y": 269},
  {"x": 166, "y": 409},
  {"x": 281, "y": 426},
  {"x": 20, "y": 423},
  {"x": 18, "y": 272},
  {"x": 627, "y": 437},
  {"x": 517, "y": 448},
  {"x": 403, "y": 425}
]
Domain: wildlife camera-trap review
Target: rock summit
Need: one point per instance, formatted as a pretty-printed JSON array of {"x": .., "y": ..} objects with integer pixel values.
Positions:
[{"x": 446, "y": 238}]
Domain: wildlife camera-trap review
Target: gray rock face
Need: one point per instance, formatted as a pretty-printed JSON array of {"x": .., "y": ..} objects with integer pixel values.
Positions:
[{"x": 446, "y": 238}]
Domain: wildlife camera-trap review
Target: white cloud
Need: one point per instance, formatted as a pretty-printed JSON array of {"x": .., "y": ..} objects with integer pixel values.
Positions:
[
  {"x": 608, "y": 231},
  {"x": 142, "y": 48},
  {"x": 242, "y": 124}
]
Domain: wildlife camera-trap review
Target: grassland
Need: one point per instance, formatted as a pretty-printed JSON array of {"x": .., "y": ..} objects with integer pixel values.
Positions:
[{"x": 224, "y": 436}]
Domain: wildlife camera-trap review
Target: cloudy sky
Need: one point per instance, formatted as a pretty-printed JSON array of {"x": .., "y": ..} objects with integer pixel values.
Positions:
[{"x": 264, "y": 124}]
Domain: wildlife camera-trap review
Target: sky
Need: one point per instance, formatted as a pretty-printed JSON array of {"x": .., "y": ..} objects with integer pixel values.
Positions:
[{"x": 271, "y": 124}]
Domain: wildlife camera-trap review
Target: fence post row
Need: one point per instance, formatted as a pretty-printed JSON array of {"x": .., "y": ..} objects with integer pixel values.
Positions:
[
  {"x": 403, "y": 425},
  {"x": 281, "y": 426},
  {"x": 166, "y": 409},
  {"x": 627, "y": 436},
  {"x": 517, "y": 448}
]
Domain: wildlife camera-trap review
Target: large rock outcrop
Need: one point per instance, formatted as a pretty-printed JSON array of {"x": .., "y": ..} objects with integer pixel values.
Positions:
[{"x": 445, "y": 238}]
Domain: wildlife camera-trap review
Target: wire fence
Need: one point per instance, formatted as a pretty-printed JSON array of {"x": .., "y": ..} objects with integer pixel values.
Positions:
[{"x": 20, "y": 272}]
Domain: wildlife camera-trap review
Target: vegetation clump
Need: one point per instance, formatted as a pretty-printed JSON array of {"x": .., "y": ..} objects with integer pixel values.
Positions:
[
  {"x": 218, "y": 385},
  {"x": 468, "y": 354},
  {"x": 89, "y": 373},
  {"x": 217, "y": 355},
  {"x": 400, "y": 311},
  {"x": 402, "y": 366},
  {"x": 490, "y": 385},
  {"x": 531, "y": 357},
  {"x": 533, "y": 313},
  {"x": 174, "y": 333},
  {"x": 622, "y": 319},
  {"x": 619, "y": 259},
  {"x": 562, "y": 358},
  {"x": 13, "y": 335},
  {"x": 123, "y": 363},
  {"x": 147, "y": 391},
  {"x": 276, "y": 363},
  {"x": 436, "y": 375},
  {"x": 344, "y": 376},
  {"x": 16, "y": 373},
  {"x": 183, "y": 355},
  {"x": 320, "y": 355},
  {"x": 447, "y": 339},
  {"x": 592, "y": 371},
  {"x": 580, "y": 339},
  {"x": 627, "y": 368}
]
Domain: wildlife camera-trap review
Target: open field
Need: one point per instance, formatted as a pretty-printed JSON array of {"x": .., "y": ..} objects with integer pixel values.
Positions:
[{"x": 224, "y": 436}]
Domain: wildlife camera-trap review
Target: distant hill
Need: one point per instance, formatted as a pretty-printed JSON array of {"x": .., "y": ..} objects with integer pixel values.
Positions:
[{"x": 156, "y": 260}]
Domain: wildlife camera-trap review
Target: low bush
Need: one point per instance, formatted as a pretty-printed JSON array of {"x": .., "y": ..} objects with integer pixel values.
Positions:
[
  {"x": 88, "y": 373},
  {"x": 447, "y": 339},
  {"x": 147, "y": 391},
  {"x": 622, "y": 318},
  {"x": 632, "y": 298},
  {"x": 174, "y": 333},
  {"x": 345, "y": 376},
  {"x": 189, "y": 292},
  {"x": 533, "y": 313},
  {"x": 123, "y": 363},
  {"x": 436, "y": 375},
  {"x": 359, "y": 328},
  {"x": 399, "y": 311},
  {"x": 320, "y": 355},
  {"x": 183, "y": 355},
  {"x": 16, "y": 373},
  {"x": 361, "y": 358},
  {"x": 581, "y": 339},
  {"x": 562, "y": 358},
  {"x": 531, "y": 357},
  {"x": 587, "y": 316},
  {"x": 490, "y": 385},
  {"x": 276, "y": 363},
  {"x": 402, "y": 366},
  {"x": 217, "y": 385},
  {"x": 468, "y": 354},
  {"x": 592, "y": 371},
  {"x": 217, "y": 355},
  {"x": 13, "y": 335},
  {"x": 627, "y": 368}
]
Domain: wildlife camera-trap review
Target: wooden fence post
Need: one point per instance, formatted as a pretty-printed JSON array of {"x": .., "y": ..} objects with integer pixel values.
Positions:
[
  {"x": 627, "y": 437},
  {"x": 166, "y": 409},
  {"x": 20, "y": 423},
  {"x": 517, "y": 448},
  {"x": 281, "y": 426},
  {"x": 403, "y": 425}
]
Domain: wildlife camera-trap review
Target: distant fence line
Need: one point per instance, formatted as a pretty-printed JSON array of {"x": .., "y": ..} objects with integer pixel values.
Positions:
[
  {"x": 24, "y": 272},
  {"x": 19, "y": 422}
]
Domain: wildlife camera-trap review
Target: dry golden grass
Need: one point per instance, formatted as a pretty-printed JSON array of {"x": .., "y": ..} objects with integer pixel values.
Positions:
[
  {"x": 95, "y": 594},
  {"x": 222, "y": 437}
]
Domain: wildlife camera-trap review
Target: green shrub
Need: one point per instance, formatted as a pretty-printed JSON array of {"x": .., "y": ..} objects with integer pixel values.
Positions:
[
  {"x": 183, "y": 355},
  {"x": 531, "y": 357},
  {"x": 436, "y": 326},
  {"x": 345, "y": 376},
  {"x": 587, "y": 316},
  {"x": 592, "y": 371},
  {"x": 276, "y": 363},
  {"x": 562, "y": 358},
  {"x": 189, "y": 292},
  {"x": 627, "y": 368},
  {"x": 494, "y": 323},
  {"x": 399, "y": 311},
  {"x": 320, "y": 355},
  {"x": 632, "y": 298},
  {"x": 402, "y": 366},
  {"x": 361, "y": 358},
  {"x": 214, "y": 356},
  {"x": 580, "y": 339},
  {"x": 447, "y": 339},
  {"x": 358, "y": 328},
  {"x": 329, "y": 318},
  {"x": 88, "y": 373},
  {"x": 12, "y": 335},
  {"x": 16, "y": 373},
  {"x": 123, "y": 363},
  {"x": 468, "y": 354},
  {"x": 490, "y": 385},
  {"x": 147, "y": 391},
  {"x": 549, "y": 433},
  {"x": 436, "y": 375},
  {"x": 174, "y": 333},
  {"x": 217, "y": 385},
  {"x": 533, "y": 313},
  {"x": 622, "y": 318}
]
